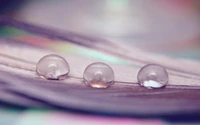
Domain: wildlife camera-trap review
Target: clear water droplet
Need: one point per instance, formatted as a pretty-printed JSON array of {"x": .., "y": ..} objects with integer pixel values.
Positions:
[
  {"x": 52, "y": 67},
  {"x": 98, "y": 75},
  {"x": 153, "y": 76}
]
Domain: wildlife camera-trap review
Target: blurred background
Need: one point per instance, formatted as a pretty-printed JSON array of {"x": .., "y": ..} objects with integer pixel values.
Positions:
[{"x": 169, "y": 27}]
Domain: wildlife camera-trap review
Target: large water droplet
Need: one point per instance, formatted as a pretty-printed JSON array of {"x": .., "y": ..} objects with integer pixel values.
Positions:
[
  {"x": 98, "y": 75},
  {"x": 153, "y": 76},
  {"x": 52, "y": 67}
]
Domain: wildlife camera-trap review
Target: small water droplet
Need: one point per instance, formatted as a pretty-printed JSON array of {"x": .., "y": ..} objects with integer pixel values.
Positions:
[
  {"x": 98, "y": 75},
  {"x": 52, "y": 67},
  {"x": 153, "y": 76}
]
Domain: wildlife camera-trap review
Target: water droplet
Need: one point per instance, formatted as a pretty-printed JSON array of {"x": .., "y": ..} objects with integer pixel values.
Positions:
[
  {"x": 153, "y": 76},
  {"x": 98, "y": 75},
  {"x": 52, "y": 67}
]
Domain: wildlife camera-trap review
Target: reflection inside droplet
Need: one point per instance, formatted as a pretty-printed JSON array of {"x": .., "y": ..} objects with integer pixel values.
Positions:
[
  {"x": 152, "y": 84},
  {"x": 98, "y": 75},
  {"x": 98, "y": 84}
]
